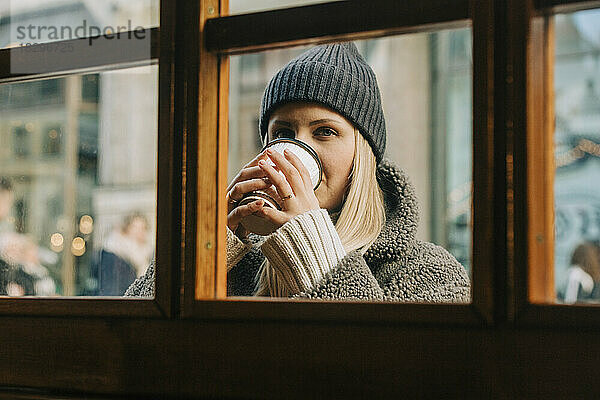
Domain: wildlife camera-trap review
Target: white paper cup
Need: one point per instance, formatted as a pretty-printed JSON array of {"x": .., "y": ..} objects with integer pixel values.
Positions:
[{"x": 309, "y": 158}]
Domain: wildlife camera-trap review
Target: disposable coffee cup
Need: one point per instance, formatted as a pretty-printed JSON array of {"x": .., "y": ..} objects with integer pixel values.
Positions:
[{"x": 309, "y": 158}]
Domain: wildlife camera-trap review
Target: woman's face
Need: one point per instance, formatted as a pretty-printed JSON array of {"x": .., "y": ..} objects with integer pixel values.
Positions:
[
  {"x": 137, "y": 230},
  {"x": 330, "y": 135}
]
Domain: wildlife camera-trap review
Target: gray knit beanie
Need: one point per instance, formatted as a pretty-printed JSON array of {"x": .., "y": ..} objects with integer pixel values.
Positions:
[{"x": 337, "y": 76}]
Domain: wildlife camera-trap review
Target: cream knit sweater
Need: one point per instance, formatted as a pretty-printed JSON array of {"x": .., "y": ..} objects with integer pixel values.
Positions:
[{"x": 303, "y": 250}]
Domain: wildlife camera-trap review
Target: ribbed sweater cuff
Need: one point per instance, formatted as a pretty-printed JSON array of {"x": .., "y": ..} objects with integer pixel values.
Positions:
[
  {"x": 304, "y": 249},
  {"x": 236, "y": 249}
]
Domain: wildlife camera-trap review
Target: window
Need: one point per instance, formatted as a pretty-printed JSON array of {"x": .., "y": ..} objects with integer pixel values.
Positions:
[
  {"x": 80, "y": 158},
  {"x": 551, "y": 210},
  {"x": 577, "y": 145},
  {"x": 103, "y": 174}
]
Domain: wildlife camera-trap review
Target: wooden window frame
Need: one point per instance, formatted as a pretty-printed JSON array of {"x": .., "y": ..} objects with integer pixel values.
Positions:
[
  {"x": 108, "y": 54},
  {"x": 204, "y": 296}
]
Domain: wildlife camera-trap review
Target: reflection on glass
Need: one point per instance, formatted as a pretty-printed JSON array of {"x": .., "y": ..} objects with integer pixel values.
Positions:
[
  {"x": 577, "y": 156},
  {"x": 77, "y": 183},
  {"x": 247, "y": 6},
  {"x": 24, "y": 22},
  {"x": 345, "y": 240}
]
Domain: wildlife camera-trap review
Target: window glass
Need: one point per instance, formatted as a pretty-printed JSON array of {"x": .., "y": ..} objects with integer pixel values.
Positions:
[
  {"x": 247, "y": 6},
  {"x": 577, "y": 156},
  {"x": 425, "y": 84},
  {"x": 78, "y": 183},
  {"x": 24, "y": 22}
]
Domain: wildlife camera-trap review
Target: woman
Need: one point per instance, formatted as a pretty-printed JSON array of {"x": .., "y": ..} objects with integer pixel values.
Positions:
[
  {"x": 352, "y": 238},
  {"x": 124, "y": 256}
]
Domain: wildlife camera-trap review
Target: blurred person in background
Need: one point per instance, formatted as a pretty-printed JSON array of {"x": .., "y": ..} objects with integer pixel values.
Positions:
[
  {"x": 583, "y": 276},
  {"x": 22, "y": 270},
  {"x": 125, "y": 255},
  {"x": 13, "y": 281},
  {"x": 6, "y": 202}
]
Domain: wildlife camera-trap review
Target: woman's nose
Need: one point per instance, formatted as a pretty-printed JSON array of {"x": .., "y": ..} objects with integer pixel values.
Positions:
[{"x": 304, "y": 135}]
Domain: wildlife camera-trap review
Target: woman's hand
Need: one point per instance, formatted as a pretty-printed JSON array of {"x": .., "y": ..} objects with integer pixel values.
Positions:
[
  {"x": 250, "y": 178},
  {"x": 295, "y": 191}
]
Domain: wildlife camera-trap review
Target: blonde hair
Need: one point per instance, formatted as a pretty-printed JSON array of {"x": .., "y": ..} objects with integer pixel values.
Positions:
[{"x": 360, "y": 220}]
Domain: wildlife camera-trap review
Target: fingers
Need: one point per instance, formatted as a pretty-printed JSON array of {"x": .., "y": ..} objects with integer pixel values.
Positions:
[
  {"x": 279, "y": 181},
  {"x": 299, "y": 165},
  {"x": 238, "y": 190},
  {"x": 275, "y": 216},
  {"x": 271, "y": 191},
  {"x": 234, "y": 217},
  {"x": 292, "y": 176},
  {"x": 245, "y": 174},
  {"x": 249, "y": 171},
  {"x": 290, "y": 171},
  {"x": 254, "y": 162}
]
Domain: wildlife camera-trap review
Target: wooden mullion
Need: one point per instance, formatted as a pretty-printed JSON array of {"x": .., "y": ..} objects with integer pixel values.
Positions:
[
  {"x": 487, "y": 251},
  {"x": 207, "y": 204},
  {"x": 78, "y": 56},
  {"x": 222, "y": 156},
  {"x": 189, "y": 64},
  {"x": 519, "y": 14},
  {"x": 529, "y": 122},
  {"x": 169, "y": 167},
  {"x": 343, "y": 20},
  {"x": 540, "y": 168}
]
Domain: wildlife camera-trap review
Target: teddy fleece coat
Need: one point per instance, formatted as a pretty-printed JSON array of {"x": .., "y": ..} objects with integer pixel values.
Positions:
[{"x": 397, "y": 266}]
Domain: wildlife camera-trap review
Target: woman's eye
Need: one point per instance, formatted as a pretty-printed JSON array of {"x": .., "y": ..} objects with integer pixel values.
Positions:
[
  {"x": 283, "y": 133},
  {"x": 326, "y": 132}
]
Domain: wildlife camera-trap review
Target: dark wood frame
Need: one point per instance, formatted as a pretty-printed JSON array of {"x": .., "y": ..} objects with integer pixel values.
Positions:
[{"x": 314, "y": 24}]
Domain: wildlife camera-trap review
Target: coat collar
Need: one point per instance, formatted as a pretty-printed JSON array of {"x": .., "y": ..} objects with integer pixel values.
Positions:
[{"x": 398, "y": 235}]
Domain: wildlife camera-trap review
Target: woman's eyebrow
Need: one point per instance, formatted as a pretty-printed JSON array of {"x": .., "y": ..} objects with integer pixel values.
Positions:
[
  {"x": 280, "y": 122},
  {"x": 321, "y": 121}
]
